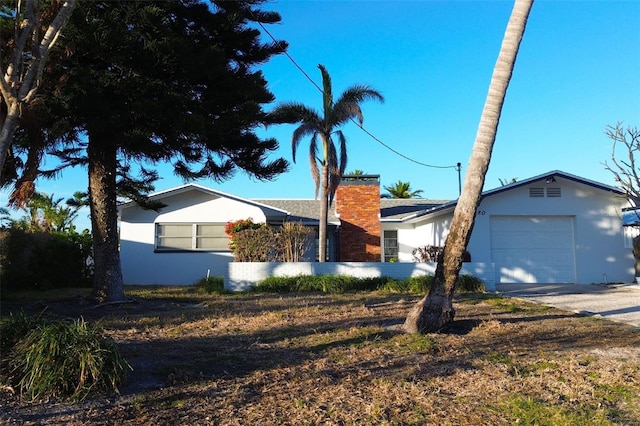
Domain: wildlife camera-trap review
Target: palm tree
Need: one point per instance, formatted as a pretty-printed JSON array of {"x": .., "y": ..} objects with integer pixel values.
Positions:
[
  {"x": 332, "y": 161},
  {"x": 46, "y": 214},
  {"x": 436, "y": 310},
  {"x": 401, "y": 190},
  {"x": 505, "y": 182}
]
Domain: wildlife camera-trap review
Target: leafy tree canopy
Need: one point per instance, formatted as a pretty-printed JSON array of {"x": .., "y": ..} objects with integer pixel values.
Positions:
[{"x": 164, "y": 81}]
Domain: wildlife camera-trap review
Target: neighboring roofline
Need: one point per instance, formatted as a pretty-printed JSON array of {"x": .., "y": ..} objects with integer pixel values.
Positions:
[
  {"x": 156, "y": 196},
  {"x": 555, "y": 173},
  {"x": 412, "y": 215},
  {"x": 552, "y": 174}
]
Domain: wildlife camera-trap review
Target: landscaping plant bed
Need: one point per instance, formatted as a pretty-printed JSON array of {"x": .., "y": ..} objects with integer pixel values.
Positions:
[{"x": 317, "y": 359}]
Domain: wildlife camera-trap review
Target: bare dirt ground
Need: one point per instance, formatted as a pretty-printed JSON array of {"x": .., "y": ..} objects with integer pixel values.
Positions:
[{"x": 310, "y": 359}]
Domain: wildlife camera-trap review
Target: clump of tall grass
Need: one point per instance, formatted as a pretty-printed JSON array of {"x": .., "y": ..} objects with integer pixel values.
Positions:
[
  {"x": 211, "y": 285},
  {"x": 66, "y": 360},
  {"x": 14, "y": 327}
]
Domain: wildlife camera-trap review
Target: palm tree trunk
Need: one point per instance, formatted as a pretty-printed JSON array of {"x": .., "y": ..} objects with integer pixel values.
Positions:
[
  {"x": 436, "y": 310},
  {"x": 324, "y": 213},
  {"x": 107, "y": 282}
]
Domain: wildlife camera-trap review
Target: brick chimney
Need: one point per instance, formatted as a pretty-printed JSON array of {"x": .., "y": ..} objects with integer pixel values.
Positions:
[{"x": 357, "y": 203}]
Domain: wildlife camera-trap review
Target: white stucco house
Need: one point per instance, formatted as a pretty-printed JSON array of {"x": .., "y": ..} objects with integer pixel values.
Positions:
[{"x": 551, "y": 228}]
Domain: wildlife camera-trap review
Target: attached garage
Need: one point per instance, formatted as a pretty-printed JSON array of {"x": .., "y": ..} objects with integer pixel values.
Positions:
[
  {"x": 533, "y": 249},
  {"x": 553, "y": 228}
]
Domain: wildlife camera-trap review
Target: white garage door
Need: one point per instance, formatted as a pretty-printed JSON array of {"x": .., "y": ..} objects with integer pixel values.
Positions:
[{"x": 533, "y": 249}]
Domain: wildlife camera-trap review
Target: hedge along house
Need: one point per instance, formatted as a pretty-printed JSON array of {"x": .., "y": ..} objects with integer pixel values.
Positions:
[{"x": 553, "y": 228}]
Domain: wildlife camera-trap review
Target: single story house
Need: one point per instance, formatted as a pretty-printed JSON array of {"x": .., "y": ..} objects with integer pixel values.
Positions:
[{"x": 551, "y": 228}]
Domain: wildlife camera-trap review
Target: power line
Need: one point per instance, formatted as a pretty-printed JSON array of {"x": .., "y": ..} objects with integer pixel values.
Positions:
[{"x": 457, "y": 166}]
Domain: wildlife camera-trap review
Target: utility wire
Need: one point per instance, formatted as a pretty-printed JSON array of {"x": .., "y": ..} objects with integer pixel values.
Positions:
[{"x": 356, "y": 123}]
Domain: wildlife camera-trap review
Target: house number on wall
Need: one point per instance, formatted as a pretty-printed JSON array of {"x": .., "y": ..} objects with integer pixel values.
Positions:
[{"x": 480, "y": 213}]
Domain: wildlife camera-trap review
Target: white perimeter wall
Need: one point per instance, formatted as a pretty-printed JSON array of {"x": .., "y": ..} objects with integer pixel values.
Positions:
[{"x": 241, "y": 276}]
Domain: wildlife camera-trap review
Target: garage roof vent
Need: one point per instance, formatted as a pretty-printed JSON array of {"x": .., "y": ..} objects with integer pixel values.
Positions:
[
  {"x": 536, "y": 192},
  {"x": 554, "y": 193}
]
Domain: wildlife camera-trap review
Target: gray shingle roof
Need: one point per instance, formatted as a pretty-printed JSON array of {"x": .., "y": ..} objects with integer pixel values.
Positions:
[{"x": 390, "y": 209}]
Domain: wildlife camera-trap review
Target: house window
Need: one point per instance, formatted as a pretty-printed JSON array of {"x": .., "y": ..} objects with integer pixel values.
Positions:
[
  {"x": 188, "y": 236},
  {"x": 630, "y": 232},
  {"x": 390, "y": 245}
]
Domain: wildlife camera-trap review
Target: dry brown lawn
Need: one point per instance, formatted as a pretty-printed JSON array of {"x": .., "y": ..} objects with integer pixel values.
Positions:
[{"x": 311, "y": 359}]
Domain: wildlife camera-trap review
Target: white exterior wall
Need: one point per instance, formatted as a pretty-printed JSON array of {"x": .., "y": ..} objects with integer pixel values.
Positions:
[
  {"x": 411, "y": 236},
  {"x": 241, "y": 276},
  {"x": 600, "y": 254},
  {"x": 142, "y": 266}
]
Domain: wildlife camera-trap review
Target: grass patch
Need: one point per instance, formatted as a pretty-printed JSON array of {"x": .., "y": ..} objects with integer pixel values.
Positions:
[
  {"x": 515, "y": 305},
  {"x": 211, "y": 285},
  {"x": 528, "y": 410},
  {"x": 325, "y": 358}
]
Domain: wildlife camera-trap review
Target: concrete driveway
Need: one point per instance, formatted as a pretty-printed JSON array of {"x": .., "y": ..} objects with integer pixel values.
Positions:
[{"x": 618, "y": 302}]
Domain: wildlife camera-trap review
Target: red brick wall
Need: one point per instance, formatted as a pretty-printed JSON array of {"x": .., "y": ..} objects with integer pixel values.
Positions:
[{"x": 358, "y": 205}]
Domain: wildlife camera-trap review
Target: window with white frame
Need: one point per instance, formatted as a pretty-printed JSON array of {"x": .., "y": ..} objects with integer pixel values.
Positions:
[
  {"x": 390, "y": 245},
  {"x": 191, "y": 236},
  {"x": 630, "y": 232}
]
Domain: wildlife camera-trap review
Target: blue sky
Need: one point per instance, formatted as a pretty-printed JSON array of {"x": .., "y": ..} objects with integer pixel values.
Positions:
[{"x": 578, "y": 71}]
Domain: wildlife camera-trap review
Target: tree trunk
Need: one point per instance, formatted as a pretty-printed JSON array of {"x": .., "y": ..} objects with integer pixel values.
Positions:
[
  {"x": 436, "y": 310},
  {"x": 324, "y": 213},
  {"x": 107, "y": 280},
  {"x": 21, "y": 78},
  {"x": 9, "y": 126},
  {"x": 636, "y": 255}
]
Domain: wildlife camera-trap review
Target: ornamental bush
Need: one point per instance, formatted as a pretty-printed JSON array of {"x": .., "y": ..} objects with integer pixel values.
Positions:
[
  {"x": 258, "y": 242},
  {"x": 232, "y": 228}
]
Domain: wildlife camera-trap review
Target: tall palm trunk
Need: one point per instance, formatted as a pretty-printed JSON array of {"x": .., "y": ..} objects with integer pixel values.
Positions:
[
  {"x": 324, "y": 213},
  {"x": 107, "y": 282},
  {"x": 436, "y": 310}
]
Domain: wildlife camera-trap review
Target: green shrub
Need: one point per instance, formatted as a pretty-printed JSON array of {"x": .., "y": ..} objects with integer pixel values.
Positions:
[
  {"x": 335, "y": 284},
  {"x": 211, "y": 285},
  {"x": 65, "y": 359},
  {"x": 470, "y": 284},
  {"x": 277, "y": 285},
  {"x": 308, "y": 283},
  {"x": 43, "y": 261},
  {"x": 394, "y": 286},
  {"x": 370, "y": 284},
  {"x": 341, "y": 284},
  {"x": 420, "y": 284}
]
